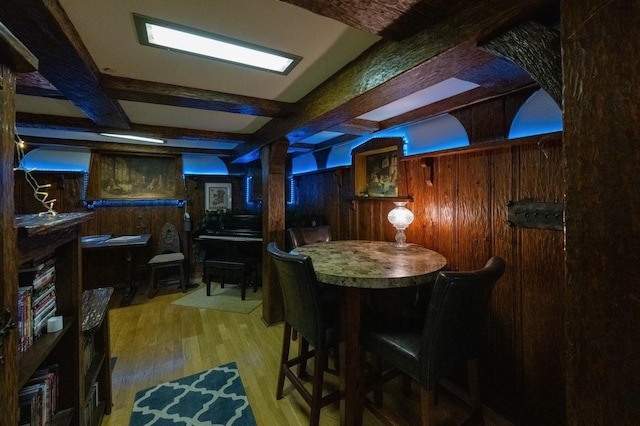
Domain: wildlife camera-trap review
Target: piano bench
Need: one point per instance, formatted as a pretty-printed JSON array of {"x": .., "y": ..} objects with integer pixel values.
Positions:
[{"x": 231, "y": 268}]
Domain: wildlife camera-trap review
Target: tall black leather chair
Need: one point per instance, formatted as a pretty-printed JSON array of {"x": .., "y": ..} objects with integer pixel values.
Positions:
[
  {"x": 304, "y": 311},
  {"x": 301, "y": 236},
  {"x": 452, "y": 334},
  {"x": 309, "y": 235}
]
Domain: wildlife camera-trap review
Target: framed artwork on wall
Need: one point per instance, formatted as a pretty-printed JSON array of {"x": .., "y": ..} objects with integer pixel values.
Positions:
[
  {"x": 217, "y": 196},
  {"x": 376, "y": 168},
  {"x": 136, "y": 177}
]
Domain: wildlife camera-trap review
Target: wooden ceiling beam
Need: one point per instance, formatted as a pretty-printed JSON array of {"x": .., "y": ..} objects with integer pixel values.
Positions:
[
  {"x": 391, "y": 70},
  {"x": 357, "y": 126},
  {"x": 128, "y": 89},
  {"x": 393, "y": 20},
  {"x": 128, "y": 148},
  {"x": 14, "y": 54},
  {"x": 64, "y": 61},
  {"x": 39, "y": 121}
]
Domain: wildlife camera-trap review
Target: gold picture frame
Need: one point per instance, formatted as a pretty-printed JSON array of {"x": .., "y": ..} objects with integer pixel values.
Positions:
[
  {"x": 135, "y": 177},
  {"x": 376, "y": 168}
]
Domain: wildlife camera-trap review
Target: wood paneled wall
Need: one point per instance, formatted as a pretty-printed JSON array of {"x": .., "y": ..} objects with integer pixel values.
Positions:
[
  {"x": 67, "y": 189},
  {"x": 463, "y": 215}
]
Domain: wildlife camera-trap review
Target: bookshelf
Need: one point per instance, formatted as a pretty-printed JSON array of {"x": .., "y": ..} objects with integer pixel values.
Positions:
[
  {"x": 56, "y": 237},
  {"x": 97, "y": 354},
  {"x": 29, "y": 238}
]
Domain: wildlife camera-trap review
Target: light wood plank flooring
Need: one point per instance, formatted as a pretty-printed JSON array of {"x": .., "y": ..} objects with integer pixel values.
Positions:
[{"x": 157, "y": 341}]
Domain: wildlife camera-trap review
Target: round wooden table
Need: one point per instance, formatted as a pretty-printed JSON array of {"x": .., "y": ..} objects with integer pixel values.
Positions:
[{"x": 356, "y": 265}]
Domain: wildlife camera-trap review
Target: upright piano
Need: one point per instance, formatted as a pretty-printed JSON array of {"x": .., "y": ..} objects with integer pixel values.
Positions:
[{"x": 235, "y": 237}]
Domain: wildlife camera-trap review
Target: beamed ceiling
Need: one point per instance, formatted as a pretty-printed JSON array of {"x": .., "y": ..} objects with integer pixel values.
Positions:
[{"x": 358, "y": 55}]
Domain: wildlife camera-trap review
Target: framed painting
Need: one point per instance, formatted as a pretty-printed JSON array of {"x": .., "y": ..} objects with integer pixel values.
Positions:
[
  {"x": 376, "y": 168},
  {"x": 217, "y": 196},
  {"x": 139, "y": 177}
]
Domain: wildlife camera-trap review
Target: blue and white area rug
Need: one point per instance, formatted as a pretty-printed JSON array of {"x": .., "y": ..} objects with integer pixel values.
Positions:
[{"x": 212, "y": 397}]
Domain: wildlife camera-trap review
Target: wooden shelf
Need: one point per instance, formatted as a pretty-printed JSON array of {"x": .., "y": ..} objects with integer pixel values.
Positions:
[
  {"x": 406, "y": 198},
  {"x": 35, "y": 355}
]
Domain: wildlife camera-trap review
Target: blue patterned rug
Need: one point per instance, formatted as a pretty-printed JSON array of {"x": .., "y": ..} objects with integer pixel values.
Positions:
[{"x": 212, "y": 397}]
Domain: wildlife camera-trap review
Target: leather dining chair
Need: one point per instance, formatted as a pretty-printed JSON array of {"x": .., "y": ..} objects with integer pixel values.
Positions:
[
  {"x": 169, "y": 257},
  {"x": 301, "y": 236},
  {"x": 451, "y": 335},
  {"x": 314, "y": 321},
  {"x": 309, "y": 235}
]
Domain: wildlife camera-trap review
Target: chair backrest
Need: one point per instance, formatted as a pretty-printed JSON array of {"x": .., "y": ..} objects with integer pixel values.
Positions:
[
  {"x": 299, "y": 285},
  {"x": 456, "y": 317},
  {"x": 169, "y": 241},
  {"x": 303, "y": 236}
]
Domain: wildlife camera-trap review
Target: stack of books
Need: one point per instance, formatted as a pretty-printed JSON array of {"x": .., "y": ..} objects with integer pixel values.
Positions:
[
  {"x": 38, "y": 399},
  {"x": 36, "y": 300}
]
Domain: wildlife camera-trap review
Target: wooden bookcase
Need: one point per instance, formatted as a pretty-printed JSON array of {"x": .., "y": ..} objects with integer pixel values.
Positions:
[
  {"x": 97, "y": 354},
  {"x": 28, "y": 238},
  {"x": 57, "y": 236}
]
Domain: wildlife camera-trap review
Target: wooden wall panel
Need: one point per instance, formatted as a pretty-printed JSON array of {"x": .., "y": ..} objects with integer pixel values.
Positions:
[
  {"x": 473, "y": 221},
  {"x": 542, "y": 264},
  {"x": 485, "y": 127},
  {"x": 446, "y": 183},
  {"x": 68, "y": 188},
  {"x": 424, "y": 204},
  {"x": 463, "y": 216},
  {"x": 502, "y": 363}
]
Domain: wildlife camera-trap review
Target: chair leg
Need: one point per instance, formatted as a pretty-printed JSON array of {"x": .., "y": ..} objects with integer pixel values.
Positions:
[
  {"x": 303, "y": 350},
  {"x": 319, "y": 366},
  {"x": 477, "y": 416},
  {"x": 377, "y": 378},
  {"x": 243, "y": 286},
  {"x": 406, "y": 385},
  {"x": 427, "y": 407},
  {"x": 152, "y": 280},
  {"x": 284, "y": 357},
  {"x": 183, "y": 283}
]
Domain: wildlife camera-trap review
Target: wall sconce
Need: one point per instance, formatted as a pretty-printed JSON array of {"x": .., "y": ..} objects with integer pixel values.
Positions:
[{"x": 400, "y": 217}]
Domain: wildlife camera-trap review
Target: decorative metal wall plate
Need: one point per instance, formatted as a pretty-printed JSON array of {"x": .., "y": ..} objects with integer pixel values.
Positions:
[{"x": 536, "y": 215}]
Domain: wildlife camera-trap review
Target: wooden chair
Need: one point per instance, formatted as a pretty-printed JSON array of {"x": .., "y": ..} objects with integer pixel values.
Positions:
[
  {"x": 169, "y": 258},
  {"x": 315, "y": 321},
  {"x": 451, "y": 335}
]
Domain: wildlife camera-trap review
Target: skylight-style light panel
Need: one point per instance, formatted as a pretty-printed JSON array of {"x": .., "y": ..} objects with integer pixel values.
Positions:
[{"x": 166, "y": 35}]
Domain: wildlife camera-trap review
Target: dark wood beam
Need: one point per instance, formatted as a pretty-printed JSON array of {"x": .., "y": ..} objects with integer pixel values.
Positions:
[
  {"x": 494, "y": 88},
  {"x": 76, "y": 124},
  {"x": 395, "y": 20},
  {"x": 128, "y": 89},
  {"x": 536, "y": 49},
  {"x": 128, "y": 148},
  {"x": 397, "y": 69},
  {"x": 357, "y": 126},
  {"x": 14, "y": 54},
  {"x": 45, "y": 30}
]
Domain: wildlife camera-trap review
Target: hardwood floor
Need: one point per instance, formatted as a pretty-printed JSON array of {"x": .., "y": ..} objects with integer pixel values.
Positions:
[{"x": 156, "y": 341}]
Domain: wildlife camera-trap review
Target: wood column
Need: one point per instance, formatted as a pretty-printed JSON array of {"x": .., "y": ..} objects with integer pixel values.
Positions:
[
  {"x": 14, "y": 57},
  {"x": 602, "y": 160},
  {"x": 8, "y": 264},
  {"x": 273, "y": 159}
]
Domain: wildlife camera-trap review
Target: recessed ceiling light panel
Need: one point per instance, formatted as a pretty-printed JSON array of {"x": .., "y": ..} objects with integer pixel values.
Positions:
[
  {"x": 174, "y": 37},
  {"x": 132, "y": 137}
]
